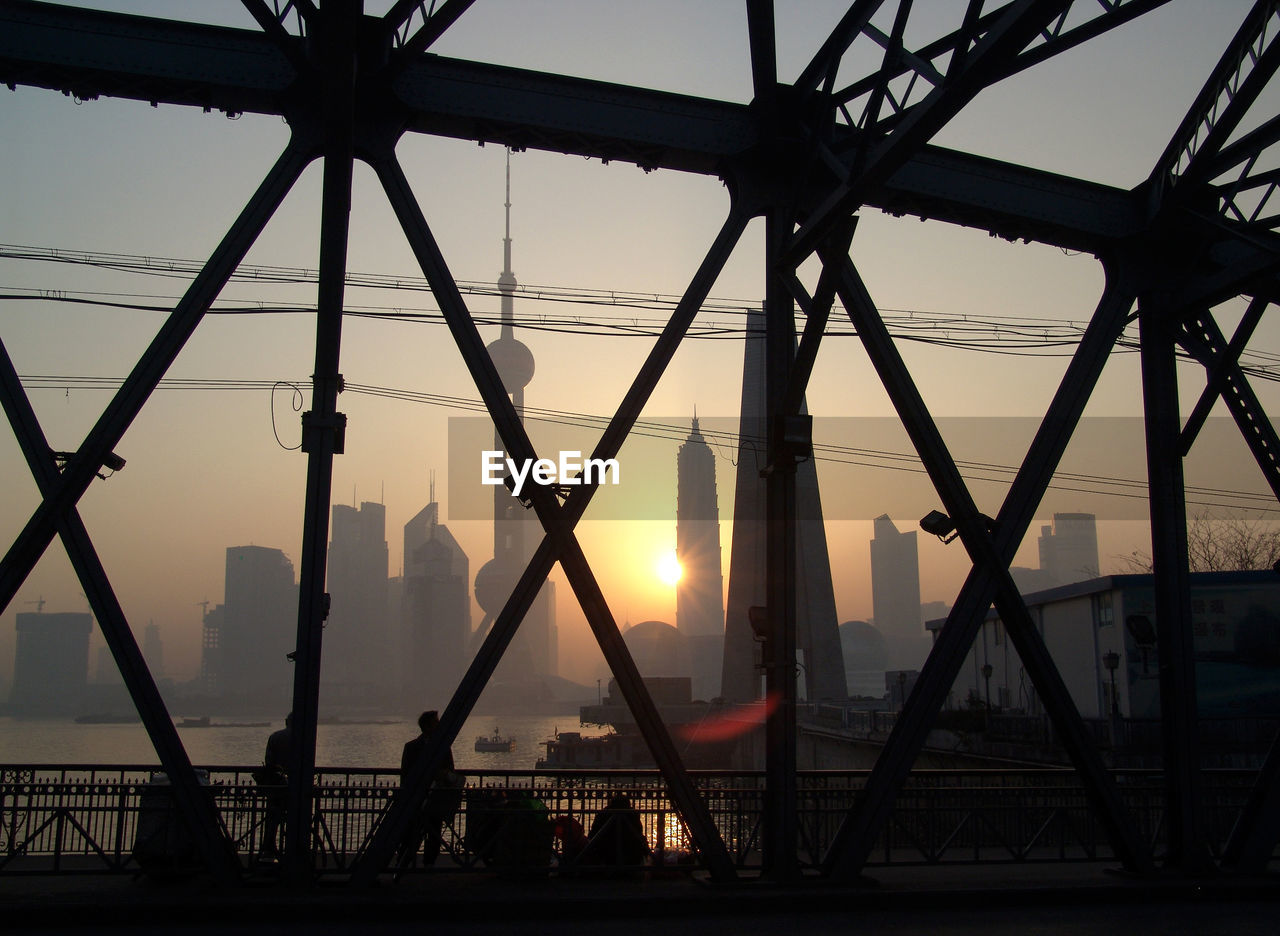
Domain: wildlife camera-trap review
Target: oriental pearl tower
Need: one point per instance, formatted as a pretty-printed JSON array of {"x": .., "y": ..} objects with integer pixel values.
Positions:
[{"x": 515, "y": 530}]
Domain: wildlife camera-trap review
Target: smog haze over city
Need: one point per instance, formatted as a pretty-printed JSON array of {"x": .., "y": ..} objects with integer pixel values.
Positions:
[{"x": 599, "y": 252}]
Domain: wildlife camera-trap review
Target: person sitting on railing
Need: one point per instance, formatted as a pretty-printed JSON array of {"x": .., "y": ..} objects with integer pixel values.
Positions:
[{"x": 617, "y": 837}]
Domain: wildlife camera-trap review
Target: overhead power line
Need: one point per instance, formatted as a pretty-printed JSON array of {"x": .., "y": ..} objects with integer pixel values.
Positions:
[
  {"x": 723, "y": 441},
  {"x": 718, "y": 319}
]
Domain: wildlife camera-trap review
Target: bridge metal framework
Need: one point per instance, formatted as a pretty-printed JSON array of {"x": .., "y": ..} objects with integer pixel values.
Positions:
[{"x": 806, "y": 157}]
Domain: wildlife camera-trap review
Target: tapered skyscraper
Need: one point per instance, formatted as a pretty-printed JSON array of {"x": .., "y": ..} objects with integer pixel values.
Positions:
[
  {"x": 700, "y": 591},
  {"x": 817, "y": 633},
  {"x": 895, "y": 581},
  {"x": 516, "y": 531}
]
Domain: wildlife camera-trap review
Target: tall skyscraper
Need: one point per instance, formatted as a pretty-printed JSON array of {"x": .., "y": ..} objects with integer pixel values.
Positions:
[
  {"x": 50, "y": 663},
  {"x": 435, "y": 612},
  {"x": 1069, "y": 548},
  {"x": 211, "y": 648},
  {"x": 259, "y": 626},
  {"x": 895, "y": 581},
  {"x": 357, "y": 651},
  {"x": 817, "y": 634},
  {"x": 700, "y": 591},
  {"x": 516, "y": 531}
]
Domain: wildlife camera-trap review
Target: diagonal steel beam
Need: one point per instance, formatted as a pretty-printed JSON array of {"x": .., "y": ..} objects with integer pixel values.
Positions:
[
  {"x": 970, "y": 29},
  {"x": 817, "y": 309},
  {"x": 955, "y": 43},
  {"x": 422, "y": 242},
  {"x": 435, "y": 26},
  {"x": 1018, "y": 24},
  {"x": 288, "y": 43},
  {"x": 988, "y": 580},
  {"x": 827, "y": 59},
  {"x": 1243, "y": 149},
  {"x": 1217, "y": 362},
  {"x": 681, "y": 788},
  {"x": 893, "y": 50},
  {"x": 194, "y": 805},
  {"x": 404, "y": 809},
  {"x": 1256, "y": 833},
  {"x": 133, "y": 394}
]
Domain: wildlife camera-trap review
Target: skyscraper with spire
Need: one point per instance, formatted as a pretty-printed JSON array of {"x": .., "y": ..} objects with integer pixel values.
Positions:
[
  {"x": 700, "y": 591},
  {"x": 516, "y": 531}
]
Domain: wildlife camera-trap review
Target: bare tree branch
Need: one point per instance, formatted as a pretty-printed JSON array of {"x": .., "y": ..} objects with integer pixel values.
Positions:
[{"x": 1234, "y": 542}]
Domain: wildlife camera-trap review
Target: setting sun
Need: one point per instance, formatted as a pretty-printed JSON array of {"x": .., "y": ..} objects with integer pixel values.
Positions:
[{"x": 669, "y": 570}]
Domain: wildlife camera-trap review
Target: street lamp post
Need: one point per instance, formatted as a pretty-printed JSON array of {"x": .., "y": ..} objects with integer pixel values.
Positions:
[
  {"x": 1111, "y": 660},
  {"x": 986, "y": 678}
]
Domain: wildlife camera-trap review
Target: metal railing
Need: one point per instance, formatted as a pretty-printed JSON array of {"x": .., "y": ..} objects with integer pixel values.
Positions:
[{"x": 105, "y": 819}]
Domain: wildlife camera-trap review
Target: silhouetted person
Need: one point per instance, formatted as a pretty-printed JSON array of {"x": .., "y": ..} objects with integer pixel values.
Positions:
[
  {"x": 617, "y": 836},
  {"x": 274, "y": 774},
  {"x": 441, "y": 802}
]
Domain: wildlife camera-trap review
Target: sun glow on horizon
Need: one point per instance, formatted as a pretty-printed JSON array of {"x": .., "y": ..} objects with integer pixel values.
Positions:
[{"x": 669, "y": 569}]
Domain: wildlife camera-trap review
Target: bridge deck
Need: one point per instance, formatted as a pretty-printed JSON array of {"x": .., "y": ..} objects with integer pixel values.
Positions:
[{"x": 1028, "y": 898}]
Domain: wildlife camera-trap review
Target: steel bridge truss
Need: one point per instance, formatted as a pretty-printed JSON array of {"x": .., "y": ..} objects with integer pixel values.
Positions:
[{"x": 805, "y": 157}]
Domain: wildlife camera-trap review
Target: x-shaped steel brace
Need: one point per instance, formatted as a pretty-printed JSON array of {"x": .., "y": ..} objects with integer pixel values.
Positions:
[
  {"x": 194, "y": 805},
  {"x": 1204, "y": 341},
  {"x": 989, "y": 580},
  {"x": 61, "y": 492},
  {"x": 559, "y": 544}
]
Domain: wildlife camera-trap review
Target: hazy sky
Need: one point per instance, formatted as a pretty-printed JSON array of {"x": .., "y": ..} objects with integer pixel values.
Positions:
[{"x": 205, "y": 469}]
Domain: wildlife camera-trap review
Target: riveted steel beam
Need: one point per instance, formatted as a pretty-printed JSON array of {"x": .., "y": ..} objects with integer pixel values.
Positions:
[
  {"x": 336, "y": 32},
  {"x": 90, "y": 53},
  {"x": 1187, "y": 849}
]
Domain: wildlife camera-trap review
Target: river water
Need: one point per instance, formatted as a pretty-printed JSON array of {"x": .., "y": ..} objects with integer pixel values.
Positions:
[{"x": 63, "y": 741}]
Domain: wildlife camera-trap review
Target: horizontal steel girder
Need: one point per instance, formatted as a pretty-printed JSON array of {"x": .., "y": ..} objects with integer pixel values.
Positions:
[{"x": 88, "y": 54}]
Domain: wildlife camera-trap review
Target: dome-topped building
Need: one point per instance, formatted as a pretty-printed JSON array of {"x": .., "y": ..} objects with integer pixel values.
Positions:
[{"x": 657, "y": 648}]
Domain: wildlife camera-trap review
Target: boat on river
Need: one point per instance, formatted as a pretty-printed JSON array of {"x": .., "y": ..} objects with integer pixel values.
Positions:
[{"x": 495, "y": 743}]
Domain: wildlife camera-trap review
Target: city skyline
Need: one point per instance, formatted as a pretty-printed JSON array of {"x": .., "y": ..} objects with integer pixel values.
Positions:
[{"x": 586, "y": 225}]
